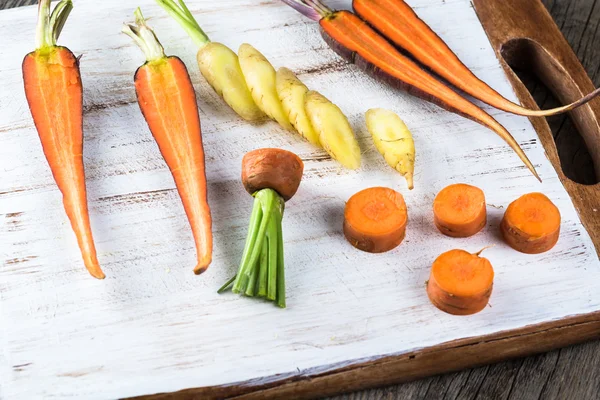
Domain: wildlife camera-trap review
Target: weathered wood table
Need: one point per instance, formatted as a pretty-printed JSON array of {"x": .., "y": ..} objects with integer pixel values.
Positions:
[{"x": 572, "y": 372}]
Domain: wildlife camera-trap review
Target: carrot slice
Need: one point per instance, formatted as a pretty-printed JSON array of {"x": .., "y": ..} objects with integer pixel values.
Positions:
[
  {"x": 531, "y": 224},
  {"x": 167, "y": 99},
  {"x": 459, "y": 210},
  {"x": 460, "y": 283},
  {"x": 54, "y": 92},
  {"x": 375, "y": 219},
  {"x": 397, "y": 21}
]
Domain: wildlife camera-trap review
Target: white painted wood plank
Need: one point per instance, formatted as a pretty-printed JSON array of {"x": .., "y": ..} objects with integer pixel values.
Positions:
[{"x": 152, "y": 326}]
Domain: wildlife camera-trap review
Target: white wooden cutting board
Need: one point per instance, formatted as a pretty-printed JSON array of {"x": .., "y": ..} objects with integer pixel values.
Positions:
[{"x": 153, "y": 326}]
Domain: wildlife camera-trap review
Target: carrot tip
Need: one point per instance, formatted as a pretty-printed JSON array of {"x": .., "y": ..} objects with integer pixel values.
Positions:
[
  {"x": 200, "y": 269},
  {"x": 97, "y": 273}
]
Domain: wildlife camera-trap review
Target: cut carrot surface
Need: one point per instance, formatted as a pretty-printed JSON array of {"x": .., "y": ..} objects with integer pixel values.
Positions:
[
  {"x": 168, "y": 102},
  {"x": 55, "y": 96},
  {"x": 375, "y": 219},
  {"x": 459, "y": 210},
  {"x": 167, "y": 99},
  {"x": 460, "y": 283},
  {"x": 531, "y": 224}
]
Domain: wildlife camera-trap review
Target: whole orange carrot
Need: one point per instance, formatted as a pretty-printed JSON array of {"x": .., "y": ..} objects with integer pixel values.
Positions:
[
  {"x": 54, "y": 93},
  {"x": 167, "y": 99},
  {"x": 397, "y": 21}
]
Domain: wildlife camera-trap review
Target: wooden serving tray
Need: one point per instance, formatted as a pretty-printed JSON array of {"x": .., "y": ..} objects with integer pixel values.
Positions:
[{"x": 354, "y": 320}]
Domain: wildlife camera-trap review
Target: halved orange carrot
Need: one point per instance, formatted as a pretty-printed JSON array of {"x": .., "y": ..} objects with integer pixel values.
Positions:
[
  {"x": 355, "y": 41},
  {"x": 531, "y": 224},
  {"x": 459, "y": 210},
  {"x": 375, "y": 219},
  {"x": 167, "y": 99},
  {"x": 397, "y": 21},
  {"x": 54, "y": 92},
  {"x": 460, "y": 283}
]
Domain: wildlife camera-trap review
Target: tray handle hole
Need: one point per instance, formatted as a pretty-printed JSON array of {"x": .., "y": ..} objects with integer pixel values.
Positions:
[{"x": 551, "y": 86}]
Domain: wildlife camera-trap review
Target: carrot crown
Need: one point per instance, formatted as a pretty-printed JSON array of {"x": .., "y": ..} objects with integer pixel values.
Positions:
[
  {"x": 312, "y": 9},
  {"x": 182, "y": 14},
  {"x": 49, "y": 24},
  {"x": 144, "y": 37}
]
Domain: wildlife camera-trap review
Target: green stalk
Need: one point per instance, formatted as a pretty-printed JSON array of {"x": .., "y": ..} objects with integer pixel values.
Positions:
[
  {"x": 272, "y": 262},
  {"x": 253, "y": 229},
  {"x": 266, "y": 199},
  {"x": 261, "y": 268},
  {"x": 145, "y": 38},
  {"x": 264, "y": 265},
  {"x": 280, "y": 267},
  {"x": 226, "y": 285},
  {"x": 184, "y": 17},
  {"x": 50, "y": 25}
]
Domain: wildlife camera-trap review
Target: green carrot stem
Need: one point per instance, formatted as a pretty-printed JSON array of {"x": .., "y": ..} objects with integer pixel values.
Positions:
[
  {"x": 272, "y": 278},
  {"x": 261, "y": 268},
  {"x": 267, "y": 199},
  {"x": 181, "y": 13},
  {"x": 144, "y": 37},
  {"x": 264, "y": 269},
  {"x": 280, "y": 267},
  {"x": 226, "y": 285},
  {"x": 272, "y": 262},
  {"x": 50, "y": 25},
  {"x": 255, "y": 219}
]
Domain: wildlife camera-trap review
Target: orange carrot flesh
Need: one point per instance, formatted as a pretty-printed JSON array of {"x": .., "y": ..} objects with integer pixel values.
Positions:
[
  {"x": 355, "y": 36},
  {"x": 375, "y": 219},
  {"x": 167, "y": 99},
  {"x": 54, "y": 93},
  {"x": 460, "y": 283},
  {"x": 531, "y": 224},
  {"x": 459, "y": 210},
  {"x": 397, "y": 21}
]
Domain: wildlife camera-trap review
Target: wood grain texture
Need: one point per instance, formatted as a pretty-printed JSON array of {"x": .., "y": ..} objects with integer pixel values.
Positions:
[{"x": 322, "y": 72}]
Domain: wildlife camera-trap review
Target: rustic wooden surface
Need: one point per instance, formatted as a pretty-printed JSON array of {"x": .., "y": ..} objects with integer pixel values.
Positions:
[{"x": 571, "y": 372}]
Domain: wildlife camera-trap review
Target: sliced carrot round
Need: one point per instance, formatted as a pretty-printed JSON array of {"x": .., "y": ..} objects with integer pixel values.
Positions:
[
  {"x": 531, "y": 224},
  {"x": 459, "y": 210},
  {"x": 375, "y": 219},
  {"x": 460, "y": 283}
]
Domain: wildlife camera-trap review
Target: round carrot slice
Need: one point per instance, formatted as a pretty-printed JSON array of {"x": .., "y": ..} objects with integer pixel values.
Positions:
[
  {"x": 531, "y": 224},
  {"x": 375, "y": 219},
  {"x": 459, "y": 210},
  {"x": 460, "y": 283}
]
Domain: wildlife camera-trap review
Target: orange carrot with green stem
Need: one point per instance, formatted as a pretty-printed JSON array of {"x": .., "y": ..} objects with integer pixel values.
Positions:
[
  {"x": 54, "y": 92},
  {"x": 167, "y": 99}
]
